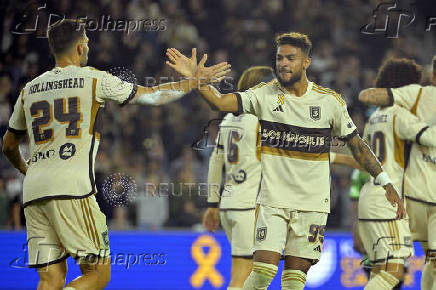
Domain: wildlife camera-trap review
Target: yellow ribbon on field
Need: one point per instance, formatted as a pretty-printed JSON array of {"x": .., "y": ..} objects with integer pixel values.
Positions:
[{"x": 206, "y": 262}]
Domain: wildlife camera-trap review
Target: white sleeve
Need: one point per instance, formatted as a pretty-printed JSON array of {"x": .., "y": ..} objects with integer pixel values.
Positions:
[
  {"x": 409, "y": 127},
  {"x": 406, "y": 96},
  {"x": 343, "y": 126},
  {"x": 248, "y": 102},
  {"x": 17, "y": 121},
  {"x": 112, "y": 88},
  {"x": 214, "y": 177}
]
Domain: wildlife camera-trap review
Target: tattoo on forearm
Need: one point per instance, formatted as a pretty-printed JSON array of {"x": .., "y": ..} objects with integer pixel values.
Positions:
[{"x": 364, "y": 156}]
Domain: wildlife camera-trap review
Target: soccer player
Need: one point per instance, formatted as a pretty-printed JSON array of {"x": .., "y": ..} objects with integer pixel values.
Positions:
[
  {"x": 236, "y": 150},
  {"x": 419, "y": 176},
  {"x": 298, "y": 119},
  {"x": 387, "y": 240},
  {"x": 59, "y": 111}
]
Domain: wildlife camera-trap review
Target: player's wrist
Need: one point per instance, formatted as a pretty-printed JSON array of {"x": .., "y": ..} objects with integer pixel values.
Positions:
[{"x": 382, "y": 179}]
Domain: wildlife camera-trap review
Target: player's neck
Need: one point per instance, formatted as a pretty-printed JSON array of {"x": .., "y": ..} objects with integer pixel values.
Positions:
[
  {"x": 66, "y": 61},
  {"x": 299, "y": 88}
]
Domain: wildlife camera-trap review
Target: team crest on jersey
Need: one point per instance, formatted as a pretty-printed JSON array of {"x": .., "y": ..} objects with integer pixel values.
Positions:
[
  {"x": 261, "y": 234},
  {"x": 315, "y": 112},
  {"x": 67, "y": 151}
]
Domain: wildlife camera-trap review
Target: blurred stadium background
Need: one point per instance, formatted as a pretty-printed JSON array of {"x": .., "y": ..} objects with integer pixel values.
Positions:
[{"x": 154, "y": 145}]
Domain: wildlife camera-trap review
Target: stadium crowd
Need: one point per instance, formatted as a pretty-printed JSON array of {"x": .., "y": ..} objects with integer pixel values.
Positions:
[{"x": 158, "y": 145}]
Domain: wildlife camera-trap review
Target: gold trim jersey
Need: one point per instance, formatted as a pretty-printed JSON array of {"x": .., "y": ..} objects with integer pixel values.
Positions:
[
  {"x": 60, "y": 111},
  {"x": 296, "y": 134}
]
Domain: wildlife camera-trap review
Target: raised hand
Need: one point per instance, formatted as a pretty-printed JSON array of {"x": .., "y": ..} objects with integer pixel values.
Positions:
[
  {"x": 181, "y": 63},
  {"x": 188, "y": 67},
  {"x": 211, "y": 74}
]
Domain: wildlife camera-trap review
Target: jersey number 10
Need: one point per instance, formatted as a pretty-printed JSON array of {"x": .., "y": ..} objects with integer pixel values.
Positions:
[
  {"x": 378, "y": 145},
  {"x": 42, "y": 113}
]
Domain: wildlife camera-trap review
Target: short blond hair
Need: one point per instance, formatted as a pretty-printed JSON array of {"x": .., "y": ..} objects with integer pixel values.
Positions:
[{"x": 254, "y": 75}]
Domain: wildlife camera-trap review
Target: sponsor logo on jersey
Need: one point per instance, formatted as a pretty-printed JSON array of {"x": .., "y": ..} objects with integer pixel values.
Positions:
[
  {"x": 67, "y": 151},
  {"x": 315, "y": 112},
  {"x": 42, "y": 155},
  {"x": 318, "y": 249},
  {"x": 240, "y": 177},
  {"x": 280, "y": 101},
  {"x": 261, "y": 234},
  {"x": 278, "y": 109}
]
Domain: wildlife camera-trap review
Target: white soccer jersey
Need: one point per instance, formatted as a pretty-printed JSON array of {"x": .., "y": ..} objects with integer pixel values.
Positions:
[
  {"x": 59, "y": 110},
  {"x": 420, "y": 175},
  {"x": 386, "y": 132},
  {"x": 237, "y": 142},
  {"x": 295, "y": 143}
]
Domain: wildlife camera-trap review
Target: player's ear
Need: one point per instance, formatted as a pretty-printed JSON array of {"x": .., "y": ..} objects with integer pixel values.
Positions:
[
  {"x": 306, "y": 62},
  {"x": 79, "y": 48}
]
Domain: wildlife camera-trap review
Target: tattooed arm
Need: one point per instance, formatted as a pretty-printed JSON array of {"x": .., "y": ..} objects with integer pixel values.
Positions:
[
  {"x": 376, "y": 97},
  {"x": 366, "y": 158}
]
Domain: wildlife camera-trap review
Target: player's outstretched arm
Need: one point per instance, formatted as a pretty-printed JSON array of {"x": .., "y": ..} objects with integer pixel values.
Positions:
[
  {"x": 169, "y": 92},
  {"x": 375, "y": 97},
  {"x": 11, "y": 150},
  {"x": 187, "y": 67},
  {"x": 366, "y": 158}
]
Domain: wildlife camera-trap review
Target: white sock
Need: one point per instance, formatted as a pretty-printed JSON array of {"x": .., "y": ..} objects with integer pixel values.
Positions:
[
  {"x": 427, "y": 277},
  {"x": 69, "y": 288},
  {"x": 293, "y": 280},
  {"x": 261, "y": 276},
  {"x": 382, "y": 281}
]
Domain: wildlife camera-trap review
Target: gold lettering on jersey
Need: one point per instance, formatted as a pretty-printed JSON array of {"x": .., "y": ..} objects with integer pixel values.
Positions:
[
  {"x": 71, "y": 83},
  {"x": 281, "y": 100},
  {"x": 379, "y": 119}
]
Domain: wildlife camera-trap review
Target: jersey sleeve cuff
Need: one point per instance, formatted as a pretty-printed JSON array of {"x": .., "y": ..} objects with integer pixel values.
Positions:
[
  {"x": 130, "y": 97},
  {"x": 349, "y": 136},
  {"x": 17, "y": 132},
  {"x": 391, "y": 97},
  {"x": 213, "y": 204},
  {"x": 240, "y": 109},
  {"x": 418, "y": 136}
]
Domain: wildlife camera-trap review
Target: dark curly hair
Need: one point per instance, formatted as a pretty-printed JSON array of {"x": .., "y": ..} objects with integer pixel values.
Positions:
[{"x": 398, "y": 72}]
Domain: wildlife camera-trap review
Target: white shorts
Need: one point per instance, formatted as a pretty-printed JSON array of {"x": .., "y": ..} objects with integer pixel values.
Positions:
[
  {"x": 423, "y": 223},
  {"x": 294, "y": 233},
  {"x": 386, "y": 240},
  {"x": 239, "y": 228},
  {"x": 59, "y": 228}
]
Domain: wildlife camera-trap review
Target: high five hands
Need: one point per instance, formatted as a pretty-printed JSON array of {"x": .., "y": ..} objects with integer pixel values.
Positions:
[{"x": 189, "y": 68}]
